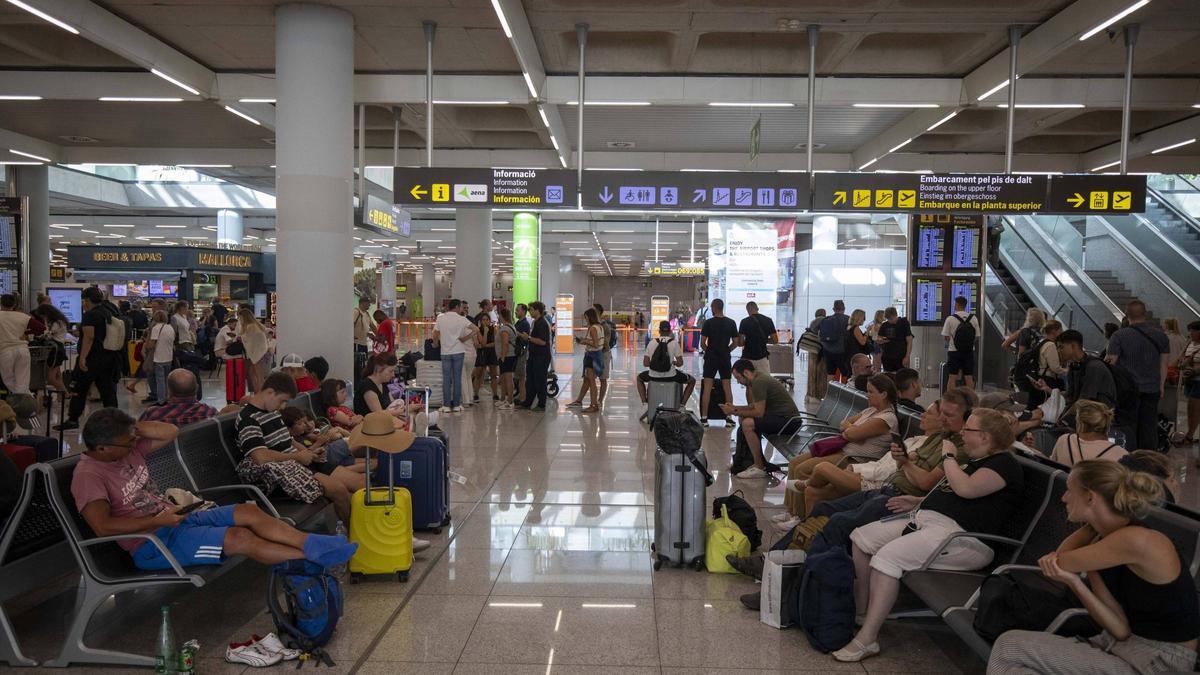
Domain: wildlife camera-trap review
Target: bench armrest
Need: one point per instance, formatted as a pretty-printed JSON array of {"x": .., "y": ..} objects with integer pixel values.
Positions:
[
  {"x": 1065, "y": 616},
  {"x": 956, "y": 535},
  {"x": 254, "y": 491},
  {"x": 166, "y": 554}
]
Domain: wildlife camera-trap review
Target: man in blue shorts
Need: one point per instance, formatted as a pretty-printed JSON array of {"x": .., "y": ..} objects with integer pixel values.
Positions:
[{"x": 116, "y": 496}]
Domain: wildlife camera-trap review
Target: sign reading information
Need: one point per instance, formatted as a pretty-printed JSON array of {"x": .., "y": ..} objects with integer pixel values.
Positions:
[
  {"x": 485, "y": 188},
  {"x": 930, "y": 192},
  {"x": 708, "y": 190}
]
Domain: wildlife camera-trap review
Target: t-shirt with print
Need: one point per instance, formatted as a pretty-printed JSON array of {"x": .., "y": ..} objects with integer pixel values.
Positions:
[
  {"x": 757, "y": 329},
  {"x": 928, "y": 458},
  {"x": 163, "y": 335},
  {"x": 257, "y": 428},
  {"x": 673, "y": 351},
  {"x": 720, "y": 331},
  {"x": 778, "y": 400},
  {"x": 125, "y": 484},
  {"x": 987, "y": 514}
]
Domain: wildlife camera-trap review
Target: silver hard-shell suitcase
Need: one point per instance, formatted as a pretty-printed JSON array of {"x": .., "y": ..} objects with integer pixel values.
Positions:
[{"x": 679, "y": 509}]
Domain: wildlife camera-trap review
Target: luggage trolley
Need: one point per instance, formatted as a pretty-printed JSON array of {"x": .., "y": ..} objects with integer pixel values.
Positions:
[{"x": 782, "y": 360}]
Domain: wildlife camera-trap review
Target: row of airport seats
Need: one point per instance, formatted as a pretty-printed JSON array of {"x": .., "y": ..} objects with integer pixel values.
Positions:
[{"x": 45, "y": 537}]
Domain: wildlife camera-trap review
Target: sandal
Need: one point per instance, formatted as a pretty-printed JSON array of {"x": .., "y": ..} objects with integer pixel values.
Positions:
[
  {"x": 849, "y": 654},
  {"x": 590, "y": 409}
]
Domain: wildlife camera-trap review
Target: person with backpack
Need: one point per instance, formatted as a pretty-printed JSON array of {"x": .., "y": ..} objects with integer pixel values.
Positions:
[
  {"x": 1091, "y": 379},
  {"x": 980, "y": 497},
  {"x": 662, "y": 360},
  {"x": 832, "y": 333},
  {"x": 609, "y": 342},
  {"x": 1090, "y": 440},
  {"x": 1027, "y": 335},
  {"x": 1040, "y": 362},
  {"x": 1142, "y": 349},
  {"x": 755, "y": 332},
  {"x": 960, "y": 332},
  {"x": 100, "y": 355}
]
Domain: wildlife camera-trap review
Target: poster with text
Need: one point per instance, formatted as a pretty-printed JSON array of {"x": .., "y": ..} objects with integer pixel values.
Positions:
[{"x": 753, "y": 260}]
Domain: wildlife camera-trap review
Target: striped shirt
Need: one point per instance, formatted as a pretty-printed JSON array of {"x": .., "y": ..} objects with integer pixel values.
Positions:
[{"x": 257, "y": 428}]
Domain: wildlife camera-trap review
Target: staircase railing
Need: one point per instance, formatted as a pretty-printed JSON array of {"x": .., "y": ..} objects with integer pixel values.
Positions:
[
  {"x": 1163, "y": 188},
  {"x": 1172, "y": 267}
]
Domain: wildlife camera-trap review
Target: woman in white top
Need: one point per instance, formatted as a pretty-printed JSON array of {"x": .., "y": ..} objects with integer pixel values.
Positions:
[
  {"x": 256, "y": 343},
  {"x": 1050, "y": 367},
  {"x": 1168, "y": 405},
  {"x": 1090, "y": 440},
  {"x": 593, "y": 361},
  {"x": 160, "y": 351}
]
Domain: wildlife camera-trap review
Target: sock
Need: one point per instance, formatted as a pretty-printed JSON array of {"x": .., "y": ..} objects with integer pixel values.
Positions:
[{"x": 317, "y": 546}]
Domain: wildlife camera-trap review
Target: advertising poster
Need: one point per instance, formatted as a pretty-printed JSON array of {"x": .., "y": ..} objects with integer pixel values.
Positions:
[
  {"x": 752, "y": 260},
  {"x": 660, "y": 310},
  {"x": 564, "y": 308},
  {"x": 525, "y": 257}
]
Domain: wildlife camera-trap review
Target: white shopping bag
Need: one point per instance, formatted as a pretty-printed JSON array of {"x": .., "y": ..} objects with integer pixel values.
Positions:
[
  {"x": 781, "y": 570},
  {"x": 1054, "y": 407}
]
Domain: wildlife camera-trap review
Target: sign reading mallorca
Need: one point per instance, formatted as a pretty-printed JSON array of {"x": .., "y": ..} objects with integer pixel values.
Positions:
[
  {"x": 930, "y": 192},
  {"x": 1097, "y": 194},
  {"x": 686, "y": 190},
  {"x": 484, "y": 188}
]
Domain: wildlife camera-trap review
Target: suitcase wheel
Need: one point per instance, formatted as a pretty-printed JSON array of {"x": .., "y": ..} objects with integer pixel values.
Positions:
[
  {"x": 698, "y": 564},
  {"x": 435, "y": 530},
  {"x": 446, "y": 520},
  {"x": 355, "y": 577},
  {"x": 402, "y": 577}
]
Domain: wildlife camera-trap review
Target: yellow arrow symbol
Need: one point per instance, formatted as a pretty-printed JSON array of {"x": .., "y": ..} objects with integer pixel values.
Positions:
[
  {"x": 1076, "y": 201},
  {"x": 417, "y": 192},
  {"x": 839, "y": 197}
]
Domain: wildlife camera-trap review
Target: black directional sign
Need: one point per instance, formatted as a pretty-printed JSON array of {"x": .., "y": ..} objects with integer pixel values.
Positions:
[
  {"x": 485, "y": 188},
  {"x": 687, "y": 190},
  {"x": 930, "y": 192},
  {"x": 1097, "y": 194}
]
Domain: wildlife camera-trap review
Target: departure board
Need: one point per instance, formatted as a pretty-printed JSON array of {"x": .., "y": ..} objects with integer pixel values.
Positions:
[
  {"x": 8, "y": 237},
  {"x": 8, "y": 280},
  {"x": 964, "y": 288},
  {"x": 964, "y": 242},
  {"x": 927, "y": 301},
  {"x": 929, "y": 246}
]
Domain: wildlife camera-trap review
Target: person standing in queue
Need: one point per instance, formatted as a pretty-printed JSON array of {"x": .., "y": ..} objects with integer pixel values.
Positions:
[
  {"x": 96, "y": 365},
  {"x": 716, "y": 341},
  {"x": 538, "y": 340},
  {"x": 521, "y": 325},
  {"x": 754, "y": 334},
  {"x": 609, "y": 341}
]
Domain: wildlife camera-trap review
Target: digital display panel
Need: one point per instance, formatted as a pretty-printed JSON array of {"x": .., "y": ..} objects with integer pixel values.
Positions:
[
  {"x": 69, "y": 301},
  {"x": 964, "y": 247},
  {"x": 930, "y": 247},
  {"x": 965, "y": 288},
  {"x": 927, "y": 301}
]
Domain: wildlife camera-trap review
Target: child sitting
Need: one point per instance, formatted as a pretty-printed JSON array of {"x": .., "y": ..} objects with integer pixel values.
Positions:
[
  {"x": 329, "y": 444},
  {"x": 333, "y": 399}
]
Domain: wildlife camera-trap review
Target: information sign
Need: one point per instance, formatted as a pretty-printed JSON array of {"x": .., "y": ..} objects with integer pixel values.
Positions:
[
  {"x": 386, "y": 219},
  {"x": 485, "y": 188},
  {"x": 930, "y": 192},
  {"x": 1097, "y": 194},
  {"x": 965, "y": 240},
  {"x": 929, "y": 244},
  {"x": 707, "y": 190},
  {"x": 962, "y": 287},
  {"x": 666, "y": 269},
  {"x": 660, "y": 310}
]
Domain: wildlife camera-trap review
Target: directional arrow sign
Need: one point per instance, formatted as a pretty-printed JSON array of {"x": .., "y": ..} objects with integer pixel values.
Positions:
[
  {"x": 839, "y": 197},
  {"x": 605, "y": 195},
  {"x": 417, "y": 192},
  {"x": 1077, "y": 200},
  {"x": 699, "y": 195},
  {"x": 479, "y": 187}
]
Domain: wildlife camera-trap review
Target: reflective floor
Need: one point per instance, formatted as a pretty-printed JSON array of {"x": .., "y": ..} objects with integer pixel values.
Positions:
[{"x": 546, "y": 569}]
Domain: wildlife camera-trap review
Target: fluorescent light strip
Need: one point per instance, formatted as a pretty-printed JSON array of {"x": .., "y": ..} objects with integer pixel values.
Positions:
[
  {"x": 993, "y": 90},
  {"x": 30, "y": 155},
  {"x": 528, "y": 82},
  {"x": 244, "y": 116},
  {"x": 895, "y": 105},
  {"x": 868, "y": 164},
  {"x": 1105, "y": 166},
  {"x": 1045, "y": 106},
  {"x": 180, "y": 227},
  {"x": 39, "y": 13},
  {"x": 503, "y": 19},
  {"x": 1153, "y": 152},
  {"x": 18, "y": 97},
  {"x": 725, "y": 104},
  {"x": 900, "y": 145},
  {"x": 612, "y": 103},
  {"x": 205, "y": 166},
  {"x": 140, "y": 99},
  {"x": 472, "y": 102},
  {"x": 1115, "y": 18},
  {"x": 120, "y": 226},
  {"x": 942, "y": 121},
  {"x": 168, "y": 78},
  {"x": 554, "y": 141},
  {"x": 8, "y": 163},
  {"x": 256, "y": 100},
  {"x": 515, "y": 604},
  {"x": 542, "y": 113}
]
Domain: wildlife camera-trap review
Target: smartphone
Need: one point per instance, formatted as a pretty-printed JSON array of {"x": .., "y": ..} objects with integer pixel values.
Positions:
[
  {"x": 898, "y": 440},
  {"x": 189, "y": 508}
]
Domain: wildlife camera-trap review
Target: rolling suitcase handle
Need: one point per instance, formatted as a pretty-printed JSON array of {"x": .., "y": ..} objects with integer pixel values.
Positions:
[{"x": 391, "y": 498}]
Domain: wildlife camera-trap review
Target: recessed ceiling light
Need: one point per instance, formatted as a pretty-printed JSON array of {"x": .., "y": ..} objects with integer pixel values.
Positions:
[
  {"x": 90, "y": 231},
  {"x": 205, "y": 166},
  {"x": 168, "y": 78},
  {"x": 942, "y": 121},
  {"x": 140, "y": 99},
  {"x": 612, "y": 103},
  {"x": 901, "y": 145},
  {"x": 1108, "y": 22},
  {"x": 1173, "y": 146},
  {"x": 895, "y": 105},
  {"x": 243, "y": 115},
  {"x": 256, "y": 100},
  {"x": 19, "y": 97},
  {"x": 993, "y": 90},
  {"x": 30, "y": 155},
  {"x": 868, "y": 164},
  {"x": 39, "y": 13},
  {"x": 1046, "y": 106},
  {"x": 751, "y": 104},
  {"x": 120, "y": 226},
  {"x": 1105, "y": 166},
  {"x": 436, "y": 102},
  {"x": 173, "y": 227}
]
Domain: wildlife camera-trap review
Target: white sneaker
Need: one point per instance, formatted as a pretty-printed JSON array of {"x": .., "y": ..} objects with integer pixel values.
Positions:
[
  {"x": 781, "y": 517},
  {"x": 251, "y": 655},
  {"x": 445, "y": 410},
  {"x": 753, "y": 473},
  {"x": 272, "y": 645},
  {"x": 458, "y": 408},
  {"x": 789, "y": 523},
  {"x": 420, "y": 545}
]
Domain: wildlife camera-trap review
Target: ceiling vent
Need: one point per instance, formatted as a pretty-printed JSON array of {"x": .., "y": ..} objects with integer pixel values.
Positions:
[
  {"x": 79, "y": 139},
  {"x": 804, "y": 146},
  {"x": 620, "y": 145}
]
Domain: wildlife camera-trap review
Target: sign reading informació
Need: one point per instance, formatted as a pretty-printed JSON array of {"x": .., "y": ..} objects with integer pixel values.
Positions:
[
  {"x": 485, "y": 188},
  {"x": 526, "y": 246}
]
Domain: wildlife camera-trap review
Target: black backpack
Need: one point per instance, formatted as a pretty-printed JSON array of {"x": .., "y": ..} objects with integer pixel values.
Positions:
[
  {"x": 964, "y": 335},
  {"x": 1028, "y": 366},
  {"x": 1028, "y": 601},
  {"x": 660, "y": 360},
  {"x": 827, "y": 599},
  {"x": 1126, "y": 405},
  {"x": 742, "y": 514}
]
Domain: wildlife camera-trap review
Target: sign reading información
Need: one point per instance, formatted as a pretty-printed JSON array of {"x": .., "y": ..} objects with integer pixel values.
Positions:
[{"x": 485, "y": 188}]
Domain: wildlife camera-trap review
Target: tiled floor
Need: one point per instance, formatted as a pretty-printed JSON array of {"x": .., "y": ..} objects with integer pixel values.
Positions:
[{"x": 545, "y": 570}]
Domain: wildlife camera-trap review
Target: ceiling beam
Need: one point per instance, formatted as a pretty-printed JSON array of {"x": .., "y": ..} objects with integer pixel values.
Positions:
[
  {"x": 11, "y": 140},
  {"x": 1142, "y": 145}
]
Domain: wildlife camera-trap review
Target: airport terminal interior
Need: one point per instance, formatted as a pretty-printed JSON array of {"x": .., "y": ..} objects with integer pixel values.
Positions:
[{"x": 600, "y": 336}]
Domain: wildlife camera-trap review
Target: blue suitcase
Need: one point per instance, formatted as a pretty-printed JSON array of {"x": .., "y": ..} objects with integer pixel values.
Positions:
[{"x": 422, "y": 471}]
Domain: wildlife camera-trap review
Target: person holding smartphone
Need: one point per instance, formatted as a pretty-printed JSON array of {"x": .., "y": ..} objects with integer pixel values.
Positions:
[{"x": 593, "y": 361}]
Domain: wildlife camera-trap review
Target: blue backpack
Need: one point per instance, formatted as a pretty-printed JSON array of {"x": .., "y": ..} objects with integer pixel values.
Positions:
[
  {"x": 827, "y": 599},
  {"x": 832, "y": 332},
  {"x": 311, "y": 609}
]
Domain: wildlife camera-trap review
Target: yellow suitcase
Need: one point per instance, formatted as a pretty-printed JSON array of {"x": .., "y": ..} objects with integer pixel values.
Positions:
[{"x": 381, "y": 525}]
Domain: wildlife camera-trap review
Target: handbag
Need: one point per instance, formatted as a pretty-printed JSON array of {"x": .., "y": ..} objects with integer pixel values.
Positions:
[
  {"x": 1026, "y": 600},
  {"x": 828, "y": 446},
  {"x": 809, "y": 341},
  {"x": 235, "y": 348},
  {"x": 779, "y": 595},
  {"x": 722, "y": 538}
]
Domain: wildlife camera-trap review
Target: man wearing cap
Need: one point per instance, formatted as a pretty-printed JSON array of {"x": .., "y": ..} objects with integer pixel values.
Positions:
[
  {"x": 293, "y": 364},
  {"x": 378, "y": 431}
]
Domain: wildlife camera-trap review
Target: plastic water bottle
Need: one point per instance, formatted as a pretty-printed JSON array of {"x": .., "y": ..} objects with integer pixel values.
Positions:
[
  {"x": 340, "y": 572},
  {"x": 165, "y": 656}
]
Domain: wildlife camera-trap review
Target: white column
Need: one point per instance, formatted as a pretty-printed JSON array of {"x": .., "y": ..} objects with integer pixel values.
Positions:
[
  {"x": 387, "y": 291},
  {"x": 314, "y": 127},
  {"x": 229, "y": 227},
  {"x": 825, "y": 233},
  {"x": 428, "y": 290},
  {"x": 550, "y": 281},
  {"x": 34, "y": 182},
  {"x": 473, "y": 257}
]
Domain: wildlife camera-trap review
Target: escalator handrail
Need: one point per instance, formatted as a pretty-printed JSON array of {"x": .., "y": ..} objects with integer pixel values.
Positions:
[
  {"x": 1036, "y": 296},
  {"x": 1084, "y": 280},
  {"x": 1005, "y": 290},
  {"x": 1149, "y": 265},
  {"x": 1170, "y": 206}
]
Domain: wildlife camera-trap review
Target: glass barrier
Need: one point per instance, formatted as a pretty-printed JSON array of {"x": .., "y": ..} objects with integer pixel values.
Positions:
[
  {"x": 1179, "y": 190},
  {"x": 1002, "y": 306},
  {"x": 1172, "y": 266}
]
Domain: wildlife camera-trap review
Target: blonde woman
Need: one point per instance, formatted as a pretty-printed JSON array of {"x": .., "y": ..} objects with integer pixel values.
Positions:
[
  {"x": 873, "y": 338},
  {"x": 1090, "y": 440},
  {"x": 856, "y": 339},
  {"x": 1027, "y": 335},
  {"x": 255, "y": 340}
]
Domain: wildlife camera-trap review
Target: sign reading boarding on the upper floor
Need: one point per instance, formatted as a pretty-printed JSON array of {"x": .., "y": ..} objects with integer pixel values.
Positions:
[
  {"x": 691, "y": 190},
  {"x": 485, "y": 188},
  {"x": 930, "y": 192}
]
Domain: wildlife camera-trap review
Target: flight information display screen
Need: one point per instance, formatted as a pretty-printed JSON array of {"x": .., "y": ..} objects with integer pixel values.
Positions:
[
  {"x": 929, "y": 247},
  {"x": 964, "y": 247},
  {"x": 927, "y": 302},
  {"x": 965, "y": 288},
  {"x": 8, "y": 237}
]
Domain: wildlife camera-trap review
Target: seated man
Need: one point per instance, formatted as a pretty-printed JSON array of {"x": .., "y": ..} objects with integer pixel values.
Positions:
[
  {"x": 293, "y": 365},
  {"x": 908, "y": 386},
  {"x": 116, "y": 496},
  {"x": 860, "y": 371},
  {"x": 768, "y": 409},
  {"x": 669, "y": 369},
  {"x": 318, "y": 368},
  {"x": 181, "y": 407},
  {"x": 270, "y": 460}
]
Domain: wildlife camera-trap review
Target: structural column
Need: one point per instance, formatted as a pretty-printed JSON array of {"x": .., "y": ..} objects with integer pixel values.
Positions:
[
  {"x": 229, "y": 227},
  {"x": 314, "y": 56},
  {"x": 428, "y": 290},
  {"x": 825, "y": 233},
  {"x": 473, "y": 257},
  {"x": 34, "y": 182}
]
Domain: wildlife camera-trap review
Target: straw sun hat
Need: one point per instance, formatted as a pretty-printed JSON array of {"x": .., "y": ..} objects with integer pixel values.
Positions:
[{"x": 378, "y": 431}]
